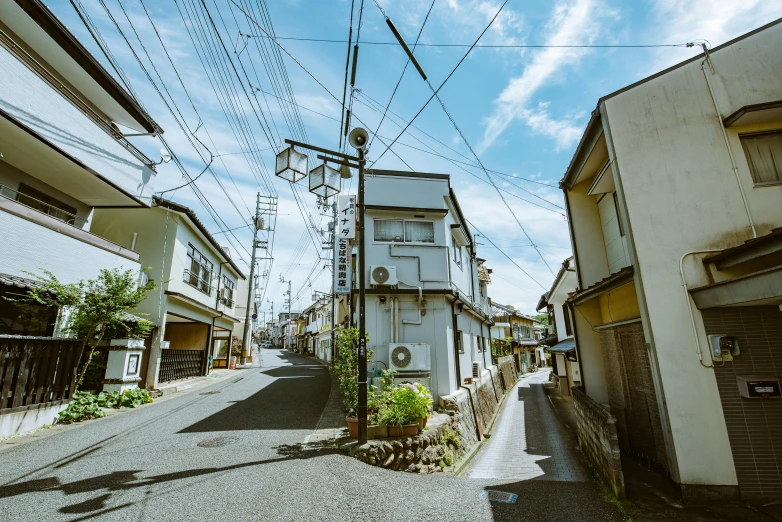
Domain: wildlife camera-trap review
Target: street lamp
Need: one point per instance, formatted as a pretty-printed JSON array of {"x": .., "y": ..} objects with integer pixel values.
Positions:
[{"x": 292, "y": 166}]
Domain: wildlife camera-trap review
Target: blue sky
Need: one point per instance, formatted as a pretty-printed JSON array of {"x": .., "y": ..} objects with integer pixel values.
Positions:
[{"x": 522, "y": 110}]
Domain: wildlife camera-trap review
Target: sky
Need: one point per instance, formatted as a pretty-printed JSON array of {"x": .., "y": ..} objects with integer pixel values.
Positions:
[{"x": 521, "y": 110}]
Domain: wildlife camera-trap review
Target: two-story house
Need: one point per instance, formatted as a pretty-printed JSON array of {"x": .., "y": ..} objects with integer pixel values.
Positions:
[
  {"x": 427, "y": 309},
  {"x": 63, "y": 154},
  {"x": 674, "y": 198},
  {"x": 194, "y": 306},
  {"x": 560, "y": 342},
  {"x": 521, "y": 333}
]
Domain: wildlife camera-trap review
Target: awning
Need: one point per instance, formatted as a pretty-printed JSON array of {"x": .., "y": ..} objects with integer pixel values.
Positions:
[{"x": 563, "y": 346}]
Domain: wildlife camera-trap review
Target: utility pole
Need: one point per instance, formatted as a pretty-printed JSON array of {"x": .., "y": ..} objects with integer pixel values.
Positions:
[
  {"x": 247, "y": 339},
  {"x": 333, "y": 277}
]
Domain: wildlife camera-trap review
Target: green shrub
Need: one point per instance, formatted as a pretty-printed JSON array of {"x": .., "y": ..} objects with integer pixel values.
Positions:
[
  {"x": 127, "y": 399},
  {"x": 83, "y": 406},
  {"x": 346, "y": 366},
  {"x": 404, "y": 404}
]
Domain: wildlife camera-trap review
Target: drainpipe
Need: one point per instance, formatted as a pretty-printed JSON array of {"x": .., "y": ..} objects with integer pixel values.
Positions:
[
  {"x": 455, "y": 343},
  {"x": 725, "y": 137},
  {"x": 396, "y": 318},
  {"x": 689, "y": 304},
  {"x": 572, "y": 310}
]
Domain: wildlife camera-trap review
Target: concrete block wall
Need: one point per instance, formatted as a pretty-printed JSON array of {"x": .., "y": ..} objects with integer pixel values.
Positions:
[{"x": 598, "y": 440}]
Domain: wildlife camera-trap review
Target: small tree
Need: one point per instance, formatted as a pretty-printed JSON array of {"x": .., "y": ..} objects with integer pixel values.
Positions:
[
  {"x": 97, "y": 309},
  {"x": 346, "y": 366},
  {"x": 543, "y": 318}
]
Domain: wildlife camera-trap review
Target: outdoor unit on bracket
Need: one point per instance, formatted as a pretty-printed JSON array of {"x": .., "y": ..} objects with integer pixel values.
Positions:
[
  {"x": 382, "y": 275},
  {"x": 409, "y": 357}
]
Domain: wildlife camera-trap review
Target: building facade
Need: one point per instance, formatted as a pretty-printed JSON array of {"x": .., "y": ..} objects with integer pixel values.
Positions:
[
  {"x": 674, "y": 197},
  {"x": 423, "y": 286},
  {"x": 62, "y": 155},
  {"x": 194, "y": 306},
  {"x": 519, "y": 334}
]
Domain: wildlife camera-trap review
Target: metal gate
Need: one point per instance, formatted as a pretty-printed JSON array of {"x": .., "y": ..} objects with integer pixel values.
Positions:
[{"x": 180, "y": 364}]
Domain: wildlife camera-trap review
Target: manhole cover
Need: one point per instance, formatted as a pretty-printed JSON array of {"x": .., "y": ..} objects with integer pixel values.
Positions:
[
  {"x": 209, "y": 393},
  {"x": 499, "y": 496},
  {"x": 217, "y": 442}
]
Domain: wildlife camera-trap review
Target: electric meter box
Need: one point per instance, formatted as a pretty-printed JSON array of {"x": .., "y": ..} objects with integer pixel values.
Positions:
[{"x": 753, "y": 387}]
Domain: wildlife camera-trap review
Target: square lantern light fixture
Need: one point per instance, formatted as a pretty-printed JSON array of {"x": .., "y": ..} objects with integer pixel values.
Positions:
[
  {"x": 291, "y": 165},
  {"x": 324, "y": 181}
]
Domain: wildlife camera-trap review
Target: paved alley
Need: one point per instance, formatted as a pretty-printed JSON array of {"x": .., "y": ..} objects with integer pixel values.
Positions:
[
  {"x": 233, "y": 450},
  {"x": 528, "y": 441}
]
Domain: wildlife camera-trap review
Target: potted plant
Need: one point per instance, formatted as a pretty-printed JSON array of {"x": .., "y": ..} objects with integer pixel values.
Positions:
[
  {"x": 346, "y": 370},
  {"x": 407, "y": 407}
]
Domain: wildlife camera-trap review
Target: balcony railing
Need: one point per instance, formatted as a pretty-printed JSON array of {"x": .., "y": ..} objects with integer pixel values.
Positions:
[
  {"x": 42, "y": 207},
  {"x": 227, "y": 301},
  {"x": 195, "y": 281}
]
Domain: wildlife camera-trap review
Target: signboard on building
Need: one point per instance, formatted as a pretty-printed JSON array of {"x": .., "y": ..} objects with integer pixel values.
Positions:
[
  {"x": 346, "y": 218},
  {"x": 342, "y": 267}
]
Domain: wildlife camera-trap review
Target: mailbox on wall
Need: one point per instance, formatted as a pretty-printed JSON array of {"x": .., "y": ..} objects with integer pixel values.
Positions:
[{"x": 752, "y": 387}]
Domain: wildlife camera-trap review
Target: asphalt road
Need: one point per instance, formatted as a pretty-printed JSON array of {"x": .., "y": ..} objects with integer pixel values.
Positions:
[{"x": 232, "y": 451}]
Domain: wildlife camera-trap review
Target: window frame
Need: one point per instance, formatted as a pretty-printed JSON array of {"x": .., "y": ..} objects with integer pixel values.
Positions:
[
  {"x": 456, "y": 247},
  {"x": 205, "y": 268},
  {"x": 404, "y": 231},
  {"x": 752, "y": 173}
]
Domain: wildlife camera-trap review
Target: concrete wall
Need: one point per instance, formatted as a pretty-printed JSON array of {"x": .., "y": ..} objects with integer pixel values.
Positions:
[
  {"x": 681, "y": 196},
  {"x": 24, "y": 421}
]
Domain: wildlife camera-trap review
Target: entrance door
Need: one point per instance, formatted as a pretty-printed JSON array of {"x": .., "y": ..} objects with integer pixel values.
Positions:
[{"x": 220, "y": 352}]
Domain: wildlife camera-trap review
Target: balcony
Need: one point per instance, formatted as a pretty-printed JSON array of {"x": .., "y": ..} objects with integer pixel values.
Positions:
[
  {"x": 194, "y": 280},
  {"x": 42, "y": 207}
]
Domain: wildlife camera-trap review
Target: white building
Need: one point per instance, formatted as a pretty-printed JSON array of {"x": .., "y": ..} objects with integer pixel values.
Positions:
[
  {"x": 194, "y": 306},
  {"x": 561, "y": 342},
  {"x": 675, "y": 208},
  {"x": 62, "y": 155},
  {"x": 423, "y": 282}
]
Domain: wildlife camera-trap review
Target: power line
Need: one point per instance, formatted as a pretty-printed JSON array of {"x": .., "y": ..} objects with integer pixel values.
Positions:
[
  {"x": 444, "y": 81},
  {"x": 493, "y": 46}
]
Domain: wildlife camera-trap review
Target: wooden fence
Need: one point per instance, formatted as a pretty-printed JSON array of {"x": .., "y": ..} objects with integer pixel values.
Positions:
[
  {"x": 180, "y": 364},
  {"x": 36, "y": 371}
]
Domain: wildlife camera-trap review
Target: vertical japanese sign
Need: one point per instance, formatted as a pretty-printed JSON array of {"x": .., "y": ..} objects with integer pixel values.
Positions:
[
  {"x": 346, "y": 218},
  {"x": 342, "y": 268}
]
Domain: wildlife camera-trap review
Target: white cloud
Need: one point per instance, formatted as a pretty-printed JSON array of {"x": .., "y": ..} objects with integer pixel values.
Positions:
[
  {"x": 576, "y": 21},
  {"x": 722, "y": 21},
  {"x": 564, "y": 132}
]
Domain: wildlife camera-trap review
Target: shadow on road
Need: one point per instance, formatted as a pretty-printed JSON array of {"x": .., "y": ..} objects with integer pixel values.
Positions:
[
  {"x": 294, "y": 401},
  {"x": 129, "y": 479}
]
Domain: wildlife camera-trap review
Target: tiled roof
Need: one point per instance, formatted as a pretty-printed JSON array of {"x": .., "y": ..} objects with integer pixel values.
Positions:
[
  {"x": 483, "y": 274},
  {"x": 20, "y": 282}
]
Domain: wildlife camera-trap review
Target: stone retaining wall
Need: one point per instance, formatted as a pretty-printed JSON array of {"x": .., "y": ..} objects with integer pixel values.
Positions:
[
  {"x": 598, "y": 440},
  {"x": 507, "y": 371},
  {"x": 428, "y": 452}
]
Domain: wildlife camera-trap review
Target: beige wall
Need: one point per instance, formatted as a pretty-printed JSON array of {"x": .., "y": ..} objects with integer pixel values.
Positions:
[
  {"x": 187, "y": 336},
  {"x": 682, "y": 195}
]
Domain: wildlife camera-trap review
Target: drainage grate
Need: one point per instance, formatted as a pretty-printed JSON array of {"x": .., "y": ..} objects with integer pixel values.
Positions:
[
  {"x": 499, "y": 496},
  {"x": 217, "y": 442},
  {"x": 209, "y": 393}
]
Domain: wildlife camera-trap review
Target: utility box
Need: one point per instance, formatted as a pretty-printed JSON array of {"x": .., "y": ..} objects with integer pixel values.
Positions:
[{"x": 755, "y": 387}]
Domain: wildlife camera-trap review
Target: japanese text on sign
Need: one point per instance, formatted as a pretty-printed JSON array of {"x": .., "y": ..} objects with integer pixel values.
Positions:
[
  {"x": 342, "y": 268},
  {"x": 346, "y": 218}
]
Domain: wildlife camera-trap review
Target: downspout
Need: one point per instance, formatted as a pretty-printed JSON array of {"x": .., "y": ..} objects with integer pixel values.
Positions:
[
  {"x": 727, "y": 143},
  {"x": 455, "y": 343},
  {"x": 689, "y": 304}
]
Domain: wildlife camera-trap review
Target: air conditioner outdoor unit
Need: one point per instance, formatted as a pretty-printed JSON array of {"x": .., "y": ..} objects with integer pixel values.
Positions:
[
  {"x": 409, "y": 357},
  {"x": 477, "y": 369},
  {"x": 382, "y": 275}
]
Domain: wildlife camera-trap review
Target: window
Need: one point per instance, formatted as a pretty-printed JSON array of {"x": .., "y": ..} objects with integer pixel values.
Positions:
[
  {"x": 764, "y": 156},
  {"x": 404, "y": 231},
  {"x": 568, "y": 328},
  {"x": 41, "y": 202},
  {"x": 228, "y": 291},
  {"x": 457, "y": 252},
  {"x": 460, "y": 341},
  {"x": 618, "y": 219},
  {"x": 200, "y": 273}
]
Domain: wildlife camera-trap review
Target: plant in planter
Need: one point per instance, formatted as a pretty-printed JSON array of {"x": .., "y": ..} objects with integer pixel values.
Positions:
[
  {"x": 407, "y": 404},
  {"x": 346, "y": 370}
]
